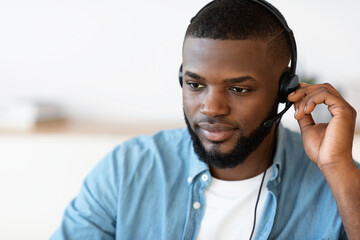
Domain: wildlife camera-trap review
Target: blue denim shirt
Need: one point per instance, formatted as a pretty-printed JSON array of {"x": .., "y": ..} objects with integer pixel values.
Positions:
[{"x": 151, "y": 187}]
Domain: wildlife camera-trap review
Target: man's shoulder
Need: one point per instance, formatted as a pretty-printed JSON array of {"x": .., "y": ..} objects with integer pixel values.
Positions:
[
  {"x": 294, "y": 150},
  {"x": 302, "y": 177},
  {"x": 296, "y": 169},
  {"x": 167, "y": 145},
  {"x": 301, "y": 190},
  {"x": 295, "y": 159},
  {"x": 292, "y": 139},
  {"x": 145, "y": 156},
  {"x": 290, "y": 149}
]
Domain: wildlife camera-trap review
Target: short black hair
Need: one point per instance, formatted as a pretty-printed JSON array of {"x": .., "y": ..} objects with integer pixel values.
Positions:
[{"x": 242, "y": 20}]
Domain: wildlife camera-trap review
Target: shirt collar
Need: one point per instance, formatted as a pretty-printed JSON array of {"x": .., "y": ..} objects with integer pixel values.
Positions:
[
  {"x": 279, "y": 159},
  {"x": 196, "y": 166}
]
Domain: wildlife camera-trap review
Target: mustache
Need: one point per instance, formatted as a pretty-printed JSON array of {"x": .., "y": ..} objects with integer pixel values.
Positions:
[{"x": 216, "y": 120}]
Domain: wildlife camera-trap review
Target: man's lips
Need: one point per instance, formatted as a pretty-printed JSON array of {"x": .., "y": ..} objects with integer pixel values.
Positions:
[{"x": 216, "y": 132}]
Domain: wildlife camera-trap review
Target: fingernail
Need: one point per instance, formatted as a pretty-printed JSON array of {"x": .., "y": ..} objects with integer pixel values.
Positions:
[{"x": 291, "y": 93}]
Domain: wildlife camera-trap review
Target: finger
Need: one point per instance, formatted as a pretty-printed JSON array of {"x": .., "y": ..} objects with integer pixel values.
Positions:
[
  {"x": 305, "y": 121},
  {"x": 306, "y": 89},
  {"x": 298, "y": 94},
  {"x": 319, "y": 96},
  {"x": 311, "y": 95},
  {"x": 306, "y": 105}
]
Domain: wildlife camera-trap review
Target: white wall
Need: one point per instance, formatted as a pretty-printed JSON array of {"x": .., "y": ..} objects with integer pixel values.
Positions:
[{"x": 119, "y": 59}]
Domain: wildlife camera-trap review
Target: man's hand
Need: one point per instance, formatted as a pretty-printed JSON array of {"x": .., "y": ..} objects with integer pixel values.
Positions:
[
  {"x": 325, "y": 143},
  {"x": 329, "y": 146}
]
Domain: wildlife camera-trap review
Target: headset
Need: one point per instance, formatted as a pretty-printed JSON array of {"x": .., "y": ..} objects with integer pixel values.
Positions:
[{"x": 289, "y": 81}]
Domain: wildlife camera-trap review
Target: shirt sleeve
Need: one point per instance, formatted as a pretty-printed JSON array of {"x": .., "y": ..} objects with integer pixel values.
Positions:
[{"x": 92, "y": 214}]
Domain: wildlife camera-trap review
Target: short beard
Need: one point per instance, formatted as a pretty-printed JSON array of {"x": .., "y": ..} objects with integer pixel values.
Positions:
[{"x": 243, "y": 148}]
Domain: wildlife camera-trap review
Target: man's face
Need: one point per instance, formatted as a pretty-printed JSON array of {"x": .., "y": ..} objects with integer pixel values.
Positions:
[{"x": 229, "y": 89}]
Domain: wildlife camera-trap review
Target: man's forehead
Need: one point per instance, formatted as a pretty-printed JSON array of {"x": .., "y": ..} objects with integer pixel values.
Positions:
[
  {"x": 223, "y": 48},
  {"x": 217, "y": 50},
  {"x": 226, "y": 58}
]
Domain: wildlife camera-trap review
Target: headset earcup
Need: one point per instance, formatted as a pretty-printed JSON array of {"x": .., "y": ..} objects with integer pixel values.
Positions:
[
  {"x": 287, "y": 85},
  {"x": 181, "y": 76},
  {"x": 284, "y": 79}
]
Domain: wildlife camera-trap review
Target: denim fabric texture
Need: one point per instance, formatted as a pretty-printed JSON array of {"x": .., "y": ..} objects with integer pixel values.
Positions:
[{"x": 151, "y": 187}]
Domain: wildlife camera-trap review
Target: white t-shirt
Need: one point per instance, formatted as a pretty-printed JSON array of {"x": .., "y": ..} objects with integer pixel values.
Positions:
[{"x": 230, "y": 206}]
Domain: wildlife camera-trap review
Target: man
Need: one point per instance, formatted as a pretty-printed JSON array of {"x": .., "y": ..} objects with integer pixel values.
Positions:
[{"x": 228, "y": 176}]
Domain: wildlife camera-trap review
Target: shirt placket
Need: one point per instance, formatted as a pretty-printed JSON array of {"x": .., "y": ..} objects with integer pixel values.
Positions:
[{"x": 196, "y": 204}]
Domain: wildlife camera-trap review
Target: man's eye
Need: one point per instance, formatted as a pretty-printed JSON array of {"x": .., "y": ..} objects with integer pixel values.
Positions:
[
  {"x": 239, "y": 90},
  {"x": 195, "y": 85}
]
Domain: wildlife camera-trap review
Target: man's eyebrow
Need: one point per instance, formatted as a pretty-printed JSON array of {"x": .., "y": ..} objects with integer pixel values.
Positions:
[
  {"x": 193, "y": 75},
  {"x": 229, "y": 80},
  {"x": 240, "y": 79}
]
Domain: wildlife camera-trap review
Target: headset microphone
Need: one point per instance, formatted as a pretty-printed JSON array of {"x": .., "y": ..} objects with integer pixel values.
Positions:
[{"x": 278, "y": 116}]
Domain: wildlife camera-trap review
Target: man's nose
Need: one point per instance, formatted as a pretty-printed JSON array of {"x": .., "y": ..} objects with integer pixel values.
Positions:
[{"x": 215, "y": 103}]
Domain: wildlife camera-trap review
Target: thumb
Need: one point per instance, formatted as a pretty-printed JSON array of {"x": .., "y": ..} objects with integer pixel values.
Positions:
[{"x": 304, "y": 120}]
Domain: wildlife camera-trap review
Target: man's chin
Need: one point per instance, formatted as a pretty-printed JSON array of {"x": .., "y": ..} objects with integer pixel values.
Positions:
[
  {"x": 218, "y": 147},
  {"x": 227, "y": 154}
]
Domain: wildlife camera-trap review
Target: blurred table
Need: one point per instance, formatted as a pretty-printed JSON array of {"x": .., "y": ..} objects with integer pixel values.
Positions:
[{"x": 94, "y": 127}]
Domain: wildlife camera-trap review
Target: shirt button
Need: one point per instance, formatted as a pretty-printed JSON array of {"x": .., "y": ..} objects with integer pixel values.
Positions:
[
  {"x": 189, "y": 179},
  {"x": 196, "y": 205},
  {"x": 204, "y": 177}
]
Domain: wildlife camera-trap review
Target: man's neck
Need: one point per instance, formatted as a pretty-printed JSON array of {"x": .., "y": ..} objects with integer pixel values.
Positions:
[{"x": 256, "y": 163}]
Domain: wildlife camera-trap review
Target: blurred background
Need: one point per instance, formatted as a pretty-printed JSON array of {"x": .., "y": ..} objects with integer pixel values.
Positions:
[{"x": 79, "y": 77}]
